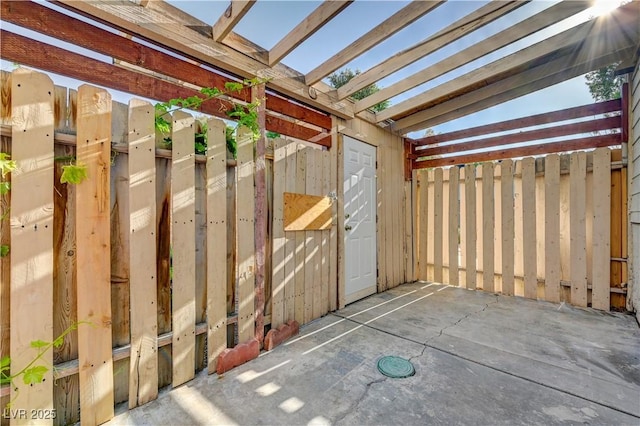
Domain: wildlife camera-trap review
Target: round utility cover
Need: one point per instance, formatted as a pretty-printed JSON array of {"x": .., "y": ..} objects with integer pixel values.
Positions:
[{"x": 395, "y": 367}]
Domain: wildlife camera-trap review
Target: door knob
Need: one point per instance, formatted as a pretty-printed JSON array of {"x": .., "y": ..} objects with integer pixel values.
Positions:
[{"x": 348, "y": 228}]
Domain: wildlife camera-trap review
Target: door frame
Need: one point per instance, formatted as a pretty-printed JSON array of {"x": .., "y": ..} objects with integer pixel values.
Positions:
[{"x": 340, "y": 210}]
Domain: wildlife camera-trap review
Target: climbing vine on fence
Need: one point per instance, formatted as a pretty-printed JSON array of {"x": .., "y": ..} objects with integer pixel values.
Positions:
[{"x": 245, "y": 115}]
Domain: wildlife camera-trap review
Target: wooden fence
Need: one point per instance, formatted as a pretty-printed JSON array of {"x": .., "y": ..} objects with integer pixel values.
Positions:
[
  {"x": 155, "y": 250},
  {"x": 551, "y": 228}
]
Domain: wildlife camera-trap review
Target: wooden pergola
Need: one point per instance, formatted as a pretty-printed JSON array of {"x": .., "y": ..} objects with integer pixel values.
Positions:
[{"x": 598, "y": 42}]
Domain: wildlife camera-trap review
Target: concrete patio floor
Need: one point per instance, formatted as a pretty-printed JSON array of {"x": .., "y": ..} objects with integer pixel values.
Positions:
[{"x": 480, "y": 358}]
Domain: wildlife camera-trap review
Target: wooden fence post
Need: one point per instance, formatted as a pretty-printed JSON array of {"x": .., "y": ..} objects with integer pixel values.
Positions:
[
  {"x": 93, "y": 248},
  {"x": 31, "y": 247}
]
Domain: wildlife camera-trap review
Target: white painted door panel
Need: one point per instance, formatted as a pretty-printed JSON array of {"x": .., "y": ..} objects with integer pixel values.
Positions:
[{"x": 360, "y": 219}]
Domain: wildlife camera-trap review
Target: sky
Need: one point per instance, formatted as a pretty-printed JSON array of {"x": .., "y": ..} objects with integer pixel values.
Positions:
[{"x": 269, "y": 20}]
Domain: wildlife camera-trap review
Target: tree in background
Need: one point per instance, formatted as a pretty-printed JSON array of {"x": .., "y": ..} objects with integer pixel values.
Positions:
[
  {"x": 603, "y": 84},
  {"x": 340, "y": 78}
]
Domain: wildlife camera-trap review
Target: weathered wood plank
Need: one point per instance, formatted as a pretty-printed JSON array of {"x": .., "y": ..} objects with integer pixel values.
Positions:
[
  {"x": 600, "y": 293},
  {"x": 430, "y": 224},
  {"x": 333, "y": 236},
  {"x": 470, "y": 216},
  {"x": 316, "y": 259},
  {"x": 446, "y": 224},
  {"x": 31, "y": 243},
  {"x": 506, "y": 186},
  {"x": 324, "y": 254},
  {"x": 552, "y": 269},
  {"x": 488, "y": 224},
  {"x": 300, "y": 237},
  {"x": 143, "y": 363},
  {"x": 245, "y": 237},
  {"x": 183, "y": 294},
  {"x": 290, "y": 240},
  {"x": 463, "y": 227},
  {"x": 578, "y": 229},
  {"x": 454, "y": 221},
  {"x": 94, "y": 272},
  {"x": 437, "y": 224},
  {"x": 217, "y": 224},
  {"x": 278, "y": 232},
  {"x": 529, "y": 228}
]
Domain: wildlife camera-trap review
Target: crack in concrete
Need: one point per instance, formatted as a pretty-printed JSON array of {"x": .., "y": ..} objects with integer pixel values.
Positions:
[
  {"x": 354, "y": 405},
  {"x": 461, "y": 319}
]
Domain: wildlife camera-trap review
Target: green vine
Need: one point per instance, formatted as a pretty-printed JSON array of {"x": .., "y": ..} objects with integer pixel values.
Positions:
[
  {"x": 7, "y": 165},
  {"x": 34, "y": 371},
  {"x": 245, "y": 115}
]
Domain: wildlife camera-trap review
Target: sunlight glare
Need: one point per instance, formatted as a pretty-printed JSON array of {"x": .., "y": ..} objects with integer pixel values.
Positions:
[{"x": 603, "y": 7}]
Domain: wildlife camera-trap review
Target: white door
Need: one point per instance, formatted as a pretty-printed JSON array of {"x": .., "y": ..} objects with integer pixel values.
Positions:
[{"x": 360, "y": 219}]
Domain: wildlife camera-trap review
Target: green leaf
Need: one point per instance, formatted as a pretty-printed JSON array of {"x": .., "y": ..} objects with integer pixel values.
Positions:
[
  {"x": 232, "y": 86},
  {"x": 4, "y": 250},
  {"x": 73, "y": 173},
  {"x": 34, "y": 374},
  {"x": 5, "y": 361},
  {"x": 6, "y": 164},
  {"x": 4, "y": 188},
  {"x": 39, "y": 344},
  {"x": 58, "y": 342}
]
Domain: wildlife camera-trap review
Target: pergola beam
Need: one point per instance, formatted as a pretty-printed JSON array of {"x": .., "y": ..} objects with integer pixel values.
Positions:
[
  {"x": 305, "y": 29},
  {"x": 399, "y": 20},
  {"x": 152, "y": 26},
  {"x": 475, "y": 20},
  {"x": 544, "y": 19},
  {"x": 230, "y": 18},
  {"x": 530, "y": 81},
  {"x": 608, "y": 31}
]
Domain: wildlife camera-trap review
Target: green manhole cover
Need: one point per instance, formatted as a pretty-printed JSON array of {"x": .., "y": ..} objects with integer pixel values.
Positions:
[{"x": 395, "y": 367}]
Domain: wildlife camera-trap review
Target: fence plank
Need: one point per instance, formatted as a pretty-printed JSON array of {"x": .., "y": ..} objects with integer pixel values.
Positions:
[
  {"x": 506, "y": 184},
  {"x": 245, "y": 237},
  {"x": 277, "y": 232},
  {"x": 488, "y": 265},
  {"x": 300, "y": 274},
  {"x": 437, "y": 224},
  {"x": 518, "y": 258},
  {"x": 470, "y": 217},
  {"x": 463, "y": 227},
  {"x": 446, "y": 219},
  {"x": 497, "y": 228},
  {"x": 183, "y": 302},
  {"x": 529, "y": 246},
  {"x": 333, "y": 236},
  {"x": 578, "y": 170},
  {"x": 414, "y": 223},
  {"x": 143, "y": 365},
  {"x": 216, "y": 205},
  {"x": 454, "y": 220},
  {"x": 316, "y": 259},
  {"x": 431, "y": 205},
  {"x": 423, "y": 218},
  {"x": 94, "y": 272},
  {"x": 31, "y": 247},
  {"x": 600, "y": 293},
  {"x": 479, "y": 229},
  {"x": 552, "y": 228},
  {"x": 290, "y": 241},
  {"x": 326, "y": 172}
]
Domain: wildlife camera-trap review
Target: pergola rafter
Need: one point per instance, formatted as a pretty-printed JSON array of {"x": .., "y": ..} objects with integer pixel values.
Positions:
[
  {"x": 396, "y": 22},
  {"x": 538, "y": 22},
  {"x": 230, "y": 18},
  {"x": 458, "y": 29}
]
